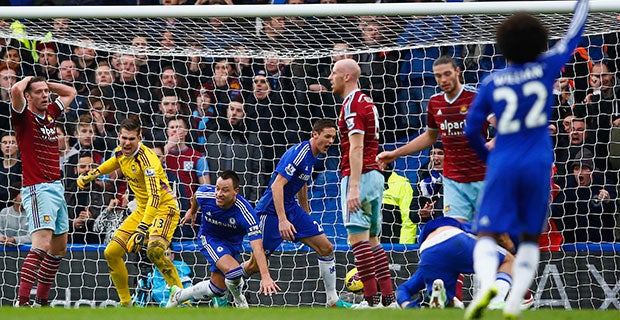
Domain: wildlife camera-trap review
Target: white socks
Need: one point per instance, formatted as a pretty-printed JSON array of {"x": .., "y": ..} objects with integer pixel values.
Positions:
[
  {"x": 523, "y": 272},
  {"x": 486, "y": 262},
  {"x": 197, "y": 291},
  {"x": 327, "y": 269}
]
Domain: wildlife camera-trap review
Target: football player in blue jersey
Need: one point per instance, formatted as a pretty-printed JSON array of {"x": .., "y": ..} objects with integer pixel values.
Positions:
[
  {"x": 446, "y": 250},
  {"x": 282, "y": 217},
  {"x": 520, "y": 96},
  {"x": 226, "y": 218}
]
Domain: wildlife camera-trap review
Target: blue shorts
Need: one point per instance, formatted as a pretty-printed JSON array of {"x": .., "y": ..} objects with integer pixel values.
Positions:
[
  {"x": 461, "y": 199},
  {"x": 369, "y": 218},
  {"x": 46, "y": 207},
  {"x": 213, "y": 249},
  {"x": 514, "y": 202},
  {"x": 446, "y": 260},
  {"x": 298, "y": 217}
]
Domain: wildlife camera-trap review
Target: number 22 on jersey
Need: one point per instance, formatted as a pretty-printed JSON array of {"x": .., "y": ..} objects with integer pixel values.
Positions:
[{"x": 535, "y": 117}]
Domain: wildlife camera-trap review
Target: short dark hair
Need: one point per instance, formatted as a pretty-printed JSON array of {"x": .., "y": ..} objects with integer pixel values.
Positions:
[
  {"x": 33, "y": 80},
  {"x": 179, "y": 118},
  {"x": 445, "y": 60},
  {"x": 131, "y": 124},
  {"x": 322, "y": 124},
  {"x": 521, "y": 38},
  {"x": 229, "y": 174}
]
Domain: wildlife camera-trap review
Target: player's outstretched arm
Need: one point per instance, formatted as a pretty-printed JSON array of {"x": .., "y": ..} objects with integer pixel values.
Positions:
[
  {"x": 267, "y": 285},
  {"x": 420, "y": 143}
]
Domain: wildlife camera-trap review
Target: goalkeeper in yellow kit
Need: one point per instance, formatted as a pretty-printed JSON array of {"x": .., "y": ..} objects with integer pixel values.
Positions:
[{"x": 156, "y": 217}]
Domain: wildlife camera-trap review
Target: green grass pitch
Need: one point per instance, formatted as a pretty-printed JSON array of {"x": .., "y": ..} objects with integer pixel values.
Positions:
[{"x": 276, "y": 313}]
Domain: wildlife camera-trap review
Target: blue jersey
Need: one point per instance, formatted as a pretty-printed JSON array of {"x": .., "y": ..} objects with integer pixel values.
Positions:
[
  {"x": 296, "y": 166},
  {"x": 226, "y": 224},
  {"x": 517, "y": 190},
  {"x": 445, "y": 256}
]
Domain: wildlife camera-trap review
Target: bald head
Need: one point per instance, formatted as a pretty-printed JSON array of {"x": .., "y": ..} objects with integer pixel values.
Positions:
[
  {"x": 344, "y": 76},
  {"x": 350, "y": 66}
]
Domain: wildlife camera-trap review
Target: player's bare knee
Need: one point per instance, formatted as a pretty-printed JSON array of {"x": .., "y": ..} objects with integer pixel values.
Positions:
[
  {"x": 325, "y": 250},
  {"x": 251, "y": 266}
]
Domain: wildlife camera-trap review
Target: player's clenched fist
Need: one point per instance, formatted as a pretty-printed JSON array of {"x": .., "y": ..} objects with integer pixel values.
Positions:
[
  {"x": 137, "y": 238},
  {"x": 87, "y": 178}
]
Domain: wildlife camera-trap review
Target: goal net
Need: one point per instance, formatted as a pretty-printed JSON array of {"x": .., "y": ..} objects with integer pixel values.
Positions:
[{"x": 198, "y": 66}]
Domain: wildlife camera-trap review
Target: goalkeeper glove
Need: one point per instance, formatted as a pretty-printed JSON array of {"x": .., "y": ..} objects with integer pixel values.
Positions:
[
  {"x": 137, "y": 238},
  {"x": 87, "y": 178}
]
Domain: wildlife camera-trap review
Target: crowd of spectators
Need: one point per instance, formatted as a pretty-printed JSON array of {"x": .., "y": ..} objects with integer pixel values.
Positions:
[{"x": 207, "y": 114}]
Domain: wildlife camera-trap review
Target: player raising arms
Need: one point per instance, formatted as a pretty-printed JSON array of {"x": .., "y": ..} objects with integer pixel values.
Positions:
[
  {"x": 34, "y": 120},
  {"x": 284, "y": 218},
  {"x": 156, "y": 217},
  {"x": 226, "y": 218},
  {"x": 520, "y": 96}
]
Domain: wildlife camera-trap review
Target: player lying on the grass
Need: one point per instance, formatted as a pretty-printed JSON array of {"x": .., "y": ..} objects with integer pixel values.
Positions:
[
  {"x": 447, "y": 250},
  {"x": 226, "y": 218},
  {"x": 282, "y": 217}
]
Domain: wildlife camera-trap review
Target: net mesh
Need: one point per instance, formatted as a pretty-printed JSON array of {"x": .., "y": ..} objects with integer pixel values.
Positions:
[{"x": 191, "y": 69}]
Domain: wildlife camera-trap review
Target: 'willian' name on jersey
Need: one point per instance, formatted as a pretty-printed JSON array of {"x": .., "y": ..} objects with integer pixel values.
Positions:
[{"x": 518, "y": 76}]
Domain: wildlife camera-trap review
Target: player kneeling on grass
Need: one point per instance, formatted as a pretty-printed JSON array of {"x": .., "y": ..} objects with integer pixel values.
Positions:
[
  {"x": 447, "y": 250},
  {"x": 226, "y": 218},
  {"x": 156, "y": 217}
]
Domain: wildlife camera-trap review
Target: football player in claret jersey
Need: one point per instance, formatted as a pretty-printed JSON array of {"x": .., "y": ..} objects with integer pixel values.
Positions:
[
  {"x": 516, "y": 196},
  {"x": 361, "y": 188},
  {"x": 34, "y": 120},
  {"x": 284, "y": 218},
  {"x": 463, "y": 172},
  {"x": 157, "y": 214},
  {"x": 226, "y": 218}
]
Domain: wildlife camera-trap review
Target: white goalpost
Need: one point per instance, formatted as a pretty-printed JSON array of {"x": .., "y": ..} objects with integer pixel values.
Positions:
[{"x": 130, "y": 61}]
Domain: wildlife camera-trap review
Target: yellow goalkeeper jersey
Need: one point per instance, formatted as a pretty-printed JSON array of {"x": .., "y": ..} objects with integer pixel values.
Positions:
[{"x": 146, "y": 178}]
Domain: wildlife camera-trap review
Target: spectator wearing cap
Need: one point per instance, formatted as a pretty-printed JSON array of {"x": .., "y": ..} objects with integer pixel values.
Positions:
[
  {"x": 577, "y": 141},
  {"x": 48, "y": 65},
  {"x": 585, "y": 209}
]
